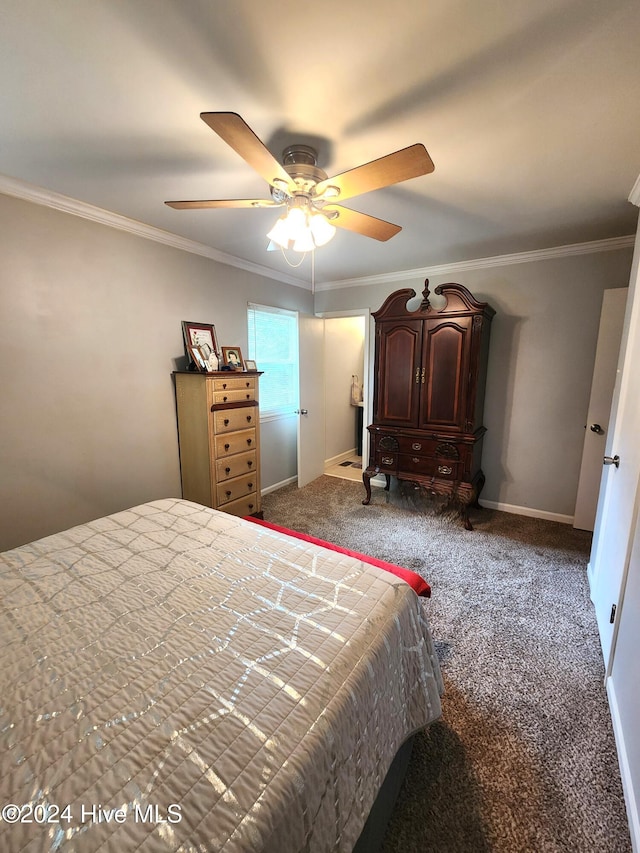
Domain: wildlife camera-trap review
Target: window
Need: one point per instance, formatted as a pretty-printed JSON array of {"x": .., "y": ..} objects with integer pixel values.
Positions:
[{"x": 273, "y": 345}]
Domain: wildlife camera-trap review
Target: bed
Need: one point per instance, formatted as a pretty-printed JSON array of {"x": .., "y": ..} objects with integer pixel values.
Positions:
[{"x": 176, "y": 678}]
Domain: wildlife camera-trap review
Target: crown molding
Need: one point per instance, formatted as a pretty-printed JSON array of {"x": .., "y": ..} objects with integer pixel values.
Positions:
[
  {"x": 66, "y": 204},
  {"x": 48, "y": 198},
  {"x": 611, "y": 244}
]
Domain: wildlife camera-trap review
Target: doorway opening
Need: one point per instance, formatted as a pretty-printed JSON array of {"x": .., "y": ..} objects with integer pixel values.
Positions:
[{"x": 347, "y": 393}]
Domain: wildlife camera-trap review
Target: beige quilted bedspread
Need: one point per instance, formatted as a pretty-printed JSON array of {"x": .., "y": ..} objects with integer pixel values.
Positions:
[{"x": 174, "y": 678}]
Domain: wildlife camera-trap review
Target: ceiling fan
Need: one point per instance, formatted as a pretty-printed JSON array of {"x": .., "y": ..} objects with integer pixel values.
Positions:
[{"x": 310, "y": 197}]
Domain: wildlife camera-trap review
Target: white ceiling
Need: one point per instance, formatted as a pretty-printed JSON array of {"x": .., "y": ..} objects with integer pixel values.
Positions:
[{"x": 529, "y": 109}]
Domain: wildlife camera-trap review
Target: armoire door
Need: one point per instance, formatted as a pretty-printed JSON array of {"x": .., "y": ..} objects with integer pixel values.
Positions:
[
  {"x": 446, "y": 349},
  {"x": 398, "y": 380}
]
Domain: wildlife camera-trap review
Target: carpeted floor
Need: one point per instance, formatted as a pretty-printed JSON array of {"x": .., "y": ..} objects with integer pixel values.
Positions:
[{"x": 524, "y": 757}]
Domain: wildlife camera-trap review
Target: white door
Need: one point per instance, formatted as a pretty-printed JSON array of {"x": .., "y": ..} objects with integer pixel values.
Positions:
[
  {"x": 617, "y": 508},
  {"x": 604, "y": 377},
  {"x": 311, "y": 424}
]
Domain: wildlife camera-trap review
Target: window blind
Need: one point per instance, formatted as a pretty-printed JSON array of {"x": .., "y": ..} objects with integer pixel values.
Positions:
[{"x": 273, "y": 345}]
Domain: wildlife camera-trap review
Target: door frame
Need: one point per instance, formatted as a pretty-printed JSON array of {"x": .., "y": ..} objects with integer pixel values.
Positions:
[{"x": 367, "y": 378}]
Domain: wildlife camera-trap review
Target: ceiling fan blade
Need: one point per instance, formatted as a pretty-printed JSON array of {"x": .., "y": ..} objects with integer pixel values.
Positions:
[
  {"x": 400, "y": 166},
  {"x": 362, "y": 223},
  {"x": 224, "y": 202},
  {"x": 234, "y": 130}
]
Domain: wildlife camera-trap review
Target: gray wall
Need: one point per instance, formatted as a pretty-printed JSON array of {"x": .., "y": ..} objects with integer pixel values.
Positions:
[
  {"x": 543, "y": 344},
  {"x": 90, "y": 332},
  {"x": 89, "y": 335}
]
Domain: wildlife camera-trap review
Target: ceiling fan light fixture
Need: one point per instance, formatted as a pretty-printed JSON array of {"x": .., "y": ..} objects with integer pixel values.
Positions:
[
  {"x": 279, "y": 234},
  {"x": 321, "y": 229},
  {"x": 304, "y": 242},
  {"x": 301, "y": 231}
]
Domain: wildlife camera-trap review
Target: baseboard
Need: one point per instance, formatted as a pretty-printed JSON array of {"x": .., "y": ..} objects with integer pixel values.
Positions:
[
  {"x": 625, "y": 768},
  {"x": 279, "y": 485},
  {"x": 529, "y": 511}
]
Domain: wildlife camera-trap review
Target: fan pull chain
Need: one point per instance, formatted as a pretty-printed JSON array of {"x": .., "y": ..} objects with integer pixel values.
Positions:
[{"x": 293, "y": 266}]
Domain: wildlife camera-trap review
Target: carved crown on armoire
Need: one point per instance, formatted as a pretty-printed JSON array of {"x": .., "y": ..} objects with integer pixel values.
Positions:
[{"x": 430, "y": 376}]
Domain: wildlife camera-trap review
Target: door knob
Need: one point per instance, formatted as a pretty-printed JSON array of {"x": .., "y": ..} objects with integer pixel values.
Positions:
[
  {"x": 597, "y": 429},
  {"x": 612, "y": 460},
  {"x": 302, "y": 411}
]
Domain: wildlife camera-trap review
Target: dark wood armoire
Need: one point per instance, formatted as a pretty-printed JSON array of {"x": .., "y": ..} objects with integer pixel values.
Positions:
[{"x": 430, "y": 374}]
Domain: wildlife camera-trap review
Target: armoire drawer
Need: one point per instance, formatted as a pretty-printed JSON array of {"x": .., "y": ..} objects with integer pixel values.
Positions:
[
  {"x": 429, "y": 466},
  {"x": 440, "y": 448},
  {"x": 229, "y": 420},
  {"x": 240, "y": 487},
  {"x": 235, "y": 466},
  {"x": 237, "y": 442},
  {"x": 386, "y": 461}
]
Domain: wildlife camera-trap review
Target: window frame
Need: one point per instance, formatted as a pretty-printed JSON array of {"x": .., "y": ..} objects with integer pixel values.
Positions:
[{"x": 285, "y": 410}]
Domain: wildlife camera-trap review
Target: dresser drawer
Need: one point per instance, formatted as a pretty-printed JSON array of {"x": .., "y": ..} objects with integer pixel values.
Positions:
[
  {"x": 234, "y": 396},
  {"x": 244, "y": 506},
  {"x": 241, "y": 487},
  {"x": 229, "y": 420},
  {"x": 235, "y": 466},
  {"x": 237, "y": 442},
  {"x": 235, "y": 383},
  {"x": 429, "y": 466}
]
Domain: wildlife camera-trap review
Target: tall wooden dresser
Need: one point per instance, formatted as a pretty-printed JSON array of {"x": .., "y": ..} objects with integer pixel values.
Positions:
[
  {"x": 430, "y": 372},
  {"x": 219, "y": 438}
]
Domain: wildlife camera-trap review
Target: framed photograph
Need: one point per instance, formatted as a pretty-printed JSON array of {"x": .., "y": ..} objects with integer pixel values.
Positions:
[
  {"x": 250, "y": 364},
  {"x": 201, "y": 345},
  {"x": 232, "y": 357}
]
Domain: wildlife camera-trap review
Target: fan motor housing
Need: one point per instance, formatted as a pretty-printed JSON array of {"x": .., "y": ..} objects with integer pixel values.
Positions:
[{"x": 300, "y": 161}]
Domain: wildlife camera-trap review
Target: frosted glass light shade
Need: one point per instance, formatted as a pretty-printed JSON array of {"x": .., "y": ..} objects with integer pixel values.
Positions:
[
  {"x": 301, "y": 232},
  {"x": 280, "y": 233},
  {"x": 321, "y": 229}
]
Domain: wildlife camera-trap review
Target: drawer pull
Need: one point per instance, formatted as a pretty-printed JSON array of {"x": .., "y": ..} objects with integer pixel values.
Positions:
[
  {"x": 248, "y": 419},
  {"x": 249, "y": 485},
  {"x": 249, "y": 440},
  {"x": 248, "y": 384},
  {"x": 415, "y": 460},
  {"x": 444, "y": 469},
  {"x": 224, "y": 385},
  {"x": 249, "y": 462},
  {"x": 226, "y": 421},
  {"x": 416, "y": 446},
  {"x": 226, "y": 447},
  {"x": 250, "y": 506},
  {"x": 227, "y": 470},
  {"x": 248, "y": 396},
  {"x": 387, "y": 460},
  {"x": 228, "y": 493},
  {"x": 224, "y": 399}
]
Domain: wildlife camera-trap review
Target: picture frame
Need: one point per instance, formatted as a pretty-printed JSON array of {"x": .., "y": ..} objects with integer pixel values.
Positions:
[
  {"x": 250, "y": 364},
  {"x": 201, "y": 345},
  {"x": 232, "y": 357},
  {"x": 198, "y": 358}
]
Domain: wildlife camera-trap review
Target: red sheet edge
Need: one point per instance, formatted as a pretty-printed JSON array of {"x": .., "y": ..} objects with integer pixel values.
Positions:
[{"x": 415, "y": 581}]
